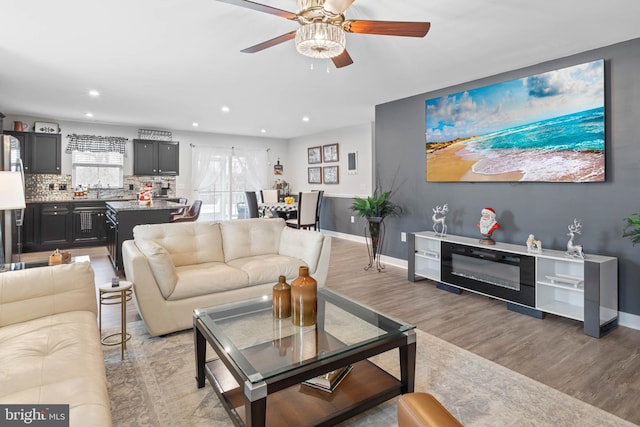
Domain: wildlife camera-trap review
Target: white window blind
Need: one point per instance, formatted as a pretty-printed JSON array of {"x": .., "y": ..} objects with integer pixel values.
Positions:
[{"x": 101, "y": 169}]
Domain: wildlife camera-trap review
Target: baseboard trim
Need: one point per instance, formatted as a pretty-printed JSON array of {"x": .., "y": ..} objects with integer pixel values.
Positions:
[{"x": 627, "y": 320}]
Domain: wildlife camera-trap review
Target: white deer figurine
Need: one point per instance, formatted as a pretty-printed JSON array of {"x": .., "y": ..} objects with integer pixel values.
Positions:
[
  {"x": 440, "y": 210},
  {"x": 574, "y": 250}
]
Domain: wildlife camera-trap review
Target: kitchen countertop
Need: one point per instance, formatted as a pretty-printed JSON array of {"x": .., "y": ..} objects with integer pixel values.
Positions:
[{"x": 132, "y": 205}]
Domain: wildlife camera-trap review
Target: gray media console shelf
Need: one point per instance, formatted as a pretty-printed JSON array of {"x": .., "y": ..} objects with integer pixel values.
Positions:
[{"x": 549, "y": 282}]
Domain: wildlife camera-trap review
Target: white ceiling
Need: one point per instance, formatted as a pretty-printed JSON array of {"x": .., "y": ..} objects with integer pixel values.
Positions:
[{"x": 163, "y": 64}]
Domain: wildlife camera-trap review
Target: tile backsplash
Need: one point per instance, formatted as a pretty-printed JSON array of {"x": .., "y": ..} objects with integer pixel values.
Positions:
[{"x": 44, "y": 187}]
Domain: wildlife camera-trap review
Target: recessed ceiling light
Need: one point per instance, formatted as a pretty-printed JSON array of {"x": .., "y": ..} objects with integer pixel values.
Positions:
[
  {"x": 305, "y": 119},
  {"x": 88, "y": 114},
  {"x": 94, "y": 93},
  {"x": 195, "y": 124},
  {"x": 225, "y": 109},
  {"x": 263, "y": 131}
]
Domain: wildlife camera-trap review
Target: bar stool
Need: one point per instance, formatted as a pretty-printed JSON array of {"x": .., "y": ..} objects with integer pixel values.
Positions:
[{"x": 112, "y": 295}]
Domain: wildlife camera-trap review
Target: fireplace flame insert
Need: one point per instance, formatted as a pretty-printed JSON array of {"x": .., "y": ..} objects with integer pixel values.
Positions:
[{"x": 504, "y": 275}]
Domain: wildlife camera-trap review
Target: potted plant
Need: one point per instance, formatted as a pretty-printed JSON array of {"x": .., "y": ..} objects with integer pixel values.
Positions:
[
  {"x": 375, "y": 209},
  {"x": 632, "y": 228}
]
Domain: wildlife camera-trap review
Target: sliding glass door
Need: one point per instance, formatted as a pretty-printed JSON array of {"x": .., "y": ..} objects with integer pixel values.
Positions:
[{"x": 222, "y": 175}]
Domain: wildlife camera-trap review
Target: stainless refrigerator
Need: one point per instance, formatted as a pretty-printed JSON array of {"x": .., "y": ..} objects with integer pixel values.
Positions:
[{"x": 12, "y": 220}]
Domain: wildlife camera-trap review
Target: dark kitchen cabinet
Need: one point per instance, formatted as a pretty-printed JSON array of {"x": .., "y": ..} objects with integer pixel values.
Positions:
[
  {"x": 62, "y": 225},
  {"x": 40, "y": 152},
  {"x": 55, "y": 225},
  {"x": 156, "y": 157}
]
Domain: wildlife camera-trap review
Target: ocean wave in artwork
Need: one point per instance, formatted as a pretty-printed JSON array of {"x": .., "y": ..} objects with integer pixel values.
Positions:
[{"x": 535, "y": 165}]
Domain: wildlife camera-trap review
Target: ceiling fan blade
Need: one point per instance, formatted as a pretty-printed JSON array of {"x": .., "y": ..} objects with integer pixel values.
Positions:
[
  {"x": 336, "y": 7},
  {"x": 262, "y": 8},
  {"x": 387, "y": 28},
  {"x": 270, "y": 43},
  {"x": 342, "y": 60}
]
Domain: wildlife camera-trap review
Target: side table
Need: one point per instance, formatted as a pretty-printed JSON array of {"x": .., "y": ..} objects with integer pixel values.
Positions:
[{"x": 110, "y": 295}]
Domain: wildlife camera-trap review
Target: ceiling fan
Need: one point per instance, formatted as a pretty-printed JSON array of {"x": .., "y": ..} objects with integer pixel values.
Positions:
[{"x": 323, "y": 25}]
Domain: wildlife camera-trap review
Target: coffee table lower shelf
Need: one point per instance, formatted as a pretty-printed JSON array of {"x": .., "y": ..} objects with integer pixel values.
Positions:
[{"x": 366, "y": 386}]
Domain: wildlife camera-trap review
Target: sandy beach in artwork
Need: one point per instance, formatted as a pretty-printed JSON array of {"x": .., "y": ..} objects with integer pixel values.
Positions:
[{"x": 454, "y": 164}]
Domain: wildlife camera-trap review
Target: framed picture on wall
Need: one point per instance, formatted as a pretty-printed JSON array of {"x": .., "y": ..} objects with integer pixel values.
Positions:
[
  {"x": 314, "y": 155},
  {"x": 314, "y": 175},
  {"x": 330, "y": 153},
  {"x": 330, "y": 174}
]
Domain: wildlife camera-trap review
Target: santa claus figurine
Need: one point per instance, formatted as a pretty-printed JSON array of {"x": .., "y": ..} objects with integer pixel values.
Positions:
[{"x": 488, "y": 225}]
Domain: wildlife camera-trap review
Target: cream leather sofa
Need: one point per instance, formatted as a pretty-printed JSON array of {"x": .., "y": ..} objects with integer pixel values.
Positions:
[
  {"x": 178, "y": 267},
  {"x": 50, "y": 351}
]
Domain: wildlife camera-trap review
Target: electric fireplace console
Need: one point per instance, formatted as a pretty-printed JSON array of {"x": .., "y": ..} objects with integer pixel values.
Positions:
[{"x": 534, "y": 284}]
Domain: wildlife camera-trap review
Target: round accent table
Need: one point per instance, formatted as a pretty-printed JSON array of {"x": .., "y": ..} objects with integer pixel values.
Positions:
[{"x": 110, "y": 295}]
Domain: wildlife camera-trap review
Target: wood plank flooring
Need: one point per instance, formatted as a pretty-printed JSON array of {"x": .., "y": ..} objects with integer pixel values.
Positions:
[{"x": 603, "y": 372}]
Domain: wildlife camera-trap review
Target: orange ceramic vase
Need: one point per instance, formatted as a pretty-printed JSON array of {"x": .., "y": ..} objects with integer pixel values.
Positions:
[{"x": 304, "y": 299}]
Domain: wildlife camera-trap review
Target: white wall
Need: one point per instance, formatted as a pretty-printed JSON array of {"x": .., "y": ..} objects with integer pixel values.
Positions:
[
  {"x": 351, "y": 139},
  {"x": 278, "y": 147}
]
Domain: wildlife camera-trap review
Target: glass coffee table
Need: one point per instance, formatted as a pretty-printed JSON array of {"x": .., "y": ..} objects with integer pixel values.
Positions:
[{"x": 262, "y": 361}]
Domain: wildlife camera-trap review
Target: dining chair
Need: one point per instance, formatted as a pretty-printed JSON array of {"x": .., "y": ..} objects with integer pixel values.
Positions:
[
  {"x": 320, "y": 196},
  {"x": 192, "y": 214},
  {"x": 252, "y": 203},
  {"x": 270, "y": 196},
  {"x": 307, "y": 211}
]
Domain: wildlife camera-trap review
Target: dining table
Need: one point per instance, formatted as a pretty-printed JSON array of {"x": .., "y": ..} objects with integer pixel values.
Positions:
[{"x": 281, "y": 209}]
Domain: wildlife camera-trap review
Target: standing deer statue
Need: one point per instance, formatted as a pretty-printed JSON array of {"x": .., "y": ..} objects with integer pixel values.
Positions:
[
  {"x": 440, "y": 210},
  {"x": 574, "y": 250}
]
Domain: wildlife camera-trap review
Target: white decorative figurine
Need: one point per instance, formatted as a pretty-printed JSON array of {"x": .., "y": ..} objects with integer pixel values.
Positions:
[
  {"x": 534, "y": 246},
  {"x": 440, "y": 210},
  {"x": 574, "y": 250}
]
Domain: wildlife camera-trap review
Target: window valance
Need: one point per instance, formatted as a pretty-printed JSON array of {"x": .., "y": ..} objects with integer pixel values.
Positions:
[{"x": 96, "y": 144}]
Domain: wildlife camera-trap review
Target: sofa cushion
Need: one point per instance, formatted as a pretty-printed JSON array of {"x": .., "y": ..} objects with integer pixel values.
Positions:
[
  {"x": 56, "y": 359},
  {"x": 39, "y": 292},
  {"x": 207, "y": 278},
  {"x": 267, "y": 268},
  {"x": 186, "y": 242},
  {"x": 161, "y": 265},
  {"x": 250, "y": 237},
  {"x": 302, "y": 244}
]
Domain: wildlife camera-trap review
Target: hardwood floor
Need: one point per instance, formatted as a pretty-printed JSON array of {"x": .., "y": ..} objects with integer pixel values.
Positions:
[{"x": 603, "y": 372}]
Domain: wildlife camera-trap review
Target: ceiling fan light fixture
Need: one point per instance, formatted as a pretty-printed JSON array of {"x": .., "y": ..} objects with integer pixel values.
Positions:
[{"x": 320, "y": 40}]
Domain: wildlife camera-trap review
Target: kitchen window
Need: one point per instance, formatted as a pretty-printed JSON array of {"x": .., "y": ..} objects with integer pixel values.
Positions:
[
  {"x": 97, "y": 161},
  {"x": 97, "y": 170}
]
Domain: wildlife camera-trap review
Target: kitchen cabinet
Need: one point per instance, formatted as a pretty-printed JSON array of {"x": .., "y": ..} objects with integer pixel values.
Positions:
[
  {"x": 156, "y": 157},
  {"x": 122, "y": 217},
  {"x": 62, "y": 225},
  {"x": 55, "y": 225},
  {"x": 41, "y": 152}
]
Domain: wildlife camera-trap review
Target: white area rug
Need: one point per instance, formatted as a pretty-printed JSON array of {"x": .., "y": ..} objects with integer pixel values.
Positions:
[{"x": 155, "y": 386}]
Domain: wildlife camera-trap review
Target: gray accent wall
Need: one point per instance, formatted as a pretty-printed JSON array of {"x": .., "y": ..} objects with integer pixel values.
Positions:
[{"x": 542, "y": 209}]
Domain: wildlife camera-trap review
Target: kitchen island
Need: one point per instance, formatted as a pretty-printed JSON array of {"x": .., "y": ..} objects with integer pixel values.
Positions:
[{"x": 122, "y": 216}]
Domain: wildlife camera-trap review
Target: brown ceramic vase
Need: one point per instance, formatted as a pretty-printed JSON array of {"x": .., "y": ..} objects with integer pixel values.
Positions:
[
  {"x": 281, "y": 299},
  {"x": 304, "y": 299}
]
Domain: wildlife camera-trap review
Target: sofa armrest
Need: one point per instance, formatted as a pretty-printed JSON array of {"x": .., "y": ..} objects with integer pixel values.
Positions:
[
  {"x": 322, "y": 269},
  {"x": 39, "y": 292},
  {"x": 423, "y": 410}
]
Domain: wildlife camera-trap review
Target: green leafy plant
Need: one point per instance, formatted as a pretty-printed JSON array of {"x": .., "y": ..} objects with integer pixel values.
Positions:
[
  {"x": 632, "y": 228},
  {"x": 376, "y": 206},
  {"x": 375, "y": 209}
]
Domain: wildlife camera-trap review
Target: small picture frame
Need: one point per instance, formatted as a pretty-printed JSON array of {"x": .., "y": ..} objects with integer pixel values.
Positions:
[
  {"x": 330, "y": 153},
  {"x": 330, "y": 174},
  {"x": 314, "y": 155},
  {"x": 314, "y": 175}
]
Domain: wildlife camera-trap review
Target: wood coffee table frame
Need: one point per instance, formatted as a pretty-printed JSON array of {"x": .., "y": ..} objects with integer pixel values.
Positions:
[{"x": 260, "y": 402}]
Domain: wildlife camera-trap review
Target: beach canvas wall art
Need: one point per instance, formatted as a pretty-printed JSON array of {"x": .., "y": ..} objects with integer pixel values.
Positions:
[{"x": 548, "y": 127}]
